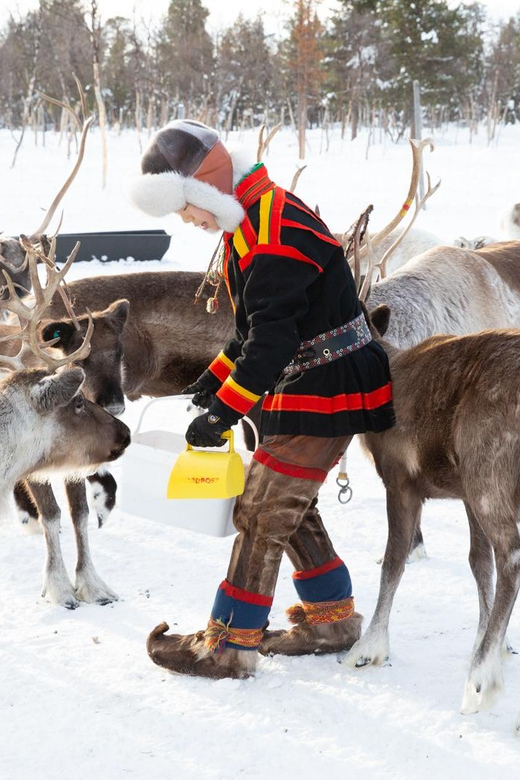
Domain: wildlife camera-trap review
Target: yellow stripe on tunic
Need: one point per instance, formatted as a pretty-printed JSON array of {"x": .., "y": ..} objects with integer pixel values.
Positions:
[
  {"x": 241, "y": 390},
  {"x": 227, "y": 362},
  {"x": 240, "y": 243},
  {"x": 266, "y": 202}
]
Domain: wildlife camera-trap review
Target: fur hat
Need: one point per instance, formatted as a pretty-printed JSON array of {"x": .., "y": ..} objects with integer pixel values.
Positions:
[{"x": 186, "y": 163}]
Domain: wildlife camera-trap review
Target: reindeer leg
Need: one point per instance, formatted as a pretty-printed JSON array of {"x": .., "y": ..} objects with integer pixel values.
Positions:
[
  {"x": 104, "y": 488},
  {"x": 89, "y": 585},
  {"x": 403, "y": 505},
  {"x": 482, "y": 565},
  {"x": 56, "y": 584},
  {"x": 485, "y": 675},
  {"x": 26, "y": 508}
]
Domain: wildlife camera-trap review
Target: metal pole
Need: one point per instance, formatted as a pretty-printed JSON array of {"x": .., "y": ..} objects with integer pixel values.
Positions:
[{"x": 417, "y": 121}]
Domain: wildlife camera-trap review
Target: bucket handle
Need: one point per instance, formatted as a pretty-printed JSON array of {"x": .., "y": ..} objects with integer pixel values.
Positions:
[
  {"x": 188, "y": 398},
  {"x": 156, "y": 401},
  {"x": 226, "y": 435}
]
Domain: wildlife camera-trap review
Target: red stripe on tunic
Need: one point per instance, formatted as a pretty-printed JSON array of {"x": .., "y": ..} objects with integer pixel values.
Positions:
[
  {"x": 291, "y": 198},
  {"x": 245, "y": 595},
  {"x": 233, "y": 399},
  {"x": 289, "y": 469},
  {"x": 300, "y": 226},
  {"x": 219, "y": 368},
  {"x": 281, "y": 251},
  {"x": 253, "y": 187},
  {"x": 307, "y": 574},
  {"x": 316, "y": 404},
  {"x": 225, "y": 267},
  {"x": 248, "y": 231},
  {"x": 276, "y": 216}
]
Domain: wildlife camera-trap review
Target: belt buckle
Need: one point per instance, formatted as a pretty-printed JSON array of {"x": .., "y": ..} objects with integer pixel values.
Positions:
[{"x": 305, "y": 354}]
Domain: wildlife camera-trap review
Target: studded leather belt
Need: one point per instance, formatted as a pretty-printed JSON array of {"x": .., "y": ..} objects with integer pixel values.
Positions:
[{"x": 330, "y": 346}]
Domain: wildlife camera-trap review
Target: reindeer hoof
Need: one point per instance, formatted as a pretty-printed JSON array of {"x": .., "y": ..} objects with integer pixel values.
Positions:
[
  {"x": 104, "y": 601},
  {"x": 94, "y": 591},
  {"x": 508, "y": 649},
  {"x": 60, "y": 594}
]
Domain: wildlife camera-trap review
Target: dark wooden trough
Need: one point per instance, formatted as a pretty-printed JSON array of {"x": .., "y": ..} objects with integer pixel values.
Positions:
[{"x": 117, "y": 245}]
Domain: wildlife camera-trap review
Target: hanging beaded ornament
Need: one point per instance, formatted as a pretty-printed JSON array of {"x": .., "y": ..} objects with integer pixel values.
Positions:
[{"x": 213, "y": 277}]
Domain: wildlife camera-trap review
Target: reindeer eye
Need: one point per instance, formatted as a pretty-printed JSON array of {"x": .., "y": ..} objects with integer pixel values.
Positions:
[
  {"x": 56, "y": 334},
  {"x": 79, "y": 403}
]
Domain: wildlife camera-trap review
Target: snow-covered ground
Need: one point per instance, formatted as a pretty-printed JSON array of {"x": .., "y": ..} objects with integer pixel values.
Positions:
[{"x": 79, "y": 696}]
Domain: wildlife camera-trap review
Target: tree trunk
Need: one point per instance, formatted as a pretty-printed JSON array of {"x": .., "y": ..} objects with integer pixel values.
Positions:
[
  {"x": 302, "y": 123},
  {"x": 102, "y": 123}
]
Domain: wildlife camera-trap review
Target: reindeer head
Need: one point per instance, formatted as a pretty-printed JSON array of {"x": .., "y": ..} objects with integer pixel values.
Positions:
[
  {"x": 50, "y": 426},
  {"x": 103, "y": 365}
]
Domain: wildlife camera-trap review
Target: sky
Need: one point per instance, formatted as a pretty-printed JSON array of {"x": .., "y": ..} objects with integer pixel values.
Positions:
[{"x": 224, "y": 12}]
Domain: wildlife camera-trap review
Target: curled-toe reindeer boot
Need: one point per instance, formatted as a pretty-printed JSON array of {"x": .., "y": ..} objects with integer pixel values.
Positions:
[
  {"x": 322, "y": 627},
  {"x": 199, "y": 654}
]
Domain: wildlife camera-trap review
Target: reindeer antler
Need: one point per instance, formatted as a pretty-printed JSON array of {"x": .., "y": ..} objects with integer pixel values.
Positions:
[
  {"x": 356, "y": 234},
  {"x": 37, "y": 247},
  {"x": 295, "y": 178},
  {"x": 419, "y": 203},
  {"x": 418, "y": 148},
  {"x": 264, "y": 143},
  {"x": 85, "y": 126},
  {"x": 30, "y": 316}
]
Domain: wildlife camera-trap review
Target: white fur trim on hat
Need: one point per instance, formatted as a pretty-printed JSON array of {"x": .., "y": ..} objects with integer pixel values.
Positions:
[
  {"x": 159, "y": 194},
  {"x": 243, "y": 160}
]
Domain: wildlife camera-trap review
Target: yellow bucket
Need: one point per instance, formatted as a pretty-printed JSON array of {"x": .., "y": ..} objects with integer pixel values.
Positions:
[{"x": 203, "y": 474}]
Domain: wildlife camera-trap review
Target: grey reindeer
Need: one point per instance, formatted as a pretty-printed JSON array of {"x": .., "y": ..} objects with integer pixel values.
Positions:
[{"x": 48, "y": 427}]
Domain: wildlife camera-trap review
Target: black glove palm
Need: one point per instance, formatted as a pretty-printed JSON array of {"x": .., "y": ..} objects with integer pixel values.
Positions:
[{"x": 206, "y": 431}]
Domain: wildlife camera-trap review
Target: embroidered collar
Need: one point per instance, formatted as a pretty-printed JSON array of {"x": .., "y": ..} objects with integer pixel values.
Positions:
[{"x": 253, "y": 186}]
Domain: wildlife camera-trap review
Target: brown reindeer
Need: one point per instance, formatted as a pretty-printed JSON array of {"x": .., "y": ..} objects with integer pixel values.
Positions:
[
  {"x": 167, "y": 340},
  {"x": 457, "y": 435}
]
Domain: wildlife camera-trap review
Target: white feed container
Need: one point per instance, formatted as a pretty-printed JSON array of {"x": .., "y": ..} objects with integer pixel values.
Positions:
[{"x": 146, "y": 467}]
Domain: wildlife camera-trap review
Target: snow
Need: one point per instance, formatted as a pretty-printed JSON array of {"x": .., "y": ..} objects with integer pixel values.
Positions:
[{"x": 81, "y": 699}]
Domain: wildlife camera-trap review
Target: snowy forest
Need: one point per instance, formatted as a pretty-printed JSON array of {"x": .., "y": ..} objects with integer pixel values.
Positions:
[{"x": 357, "y": 68}]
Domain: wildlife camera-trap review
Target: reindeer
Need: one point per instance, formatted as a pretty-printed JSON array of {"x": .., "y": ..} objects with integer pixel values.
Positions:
[
  {"x": 457, "y": 435},
  {"x": 450, "y": 290},
  {"x": 102, "y": 365},
  {"x": 49, "y": 426},
  {"x": 167, "y": 340},
  {"x": 102, "y": 386}
]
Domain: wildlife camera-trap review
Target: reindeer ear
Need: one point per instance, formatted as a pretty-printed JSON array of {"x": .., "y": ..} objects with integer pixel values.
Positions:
[
  {"x": 58, "y": 389},
  {"x": 380, "y": 318},
  {"x": 61, "y": 330},
  {"x": 117, "y": 312}
]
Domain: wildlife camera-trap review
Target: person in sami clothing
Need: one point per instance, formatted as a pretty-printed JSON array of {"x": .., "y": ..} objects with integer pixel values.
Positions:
[{"x": 303, "y": 343}]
